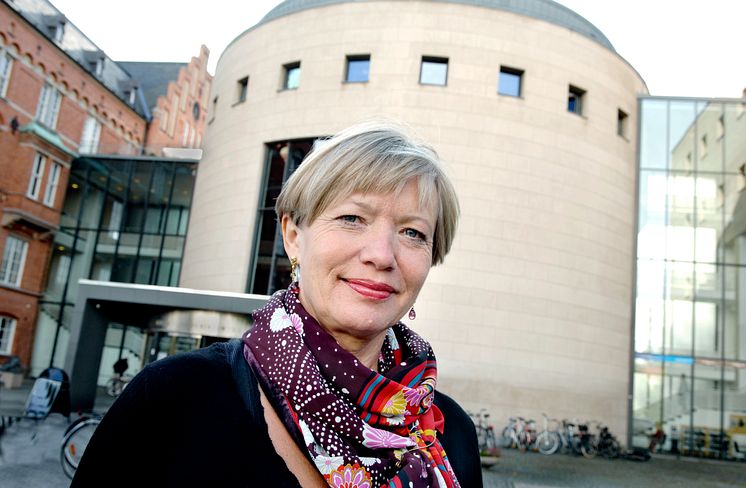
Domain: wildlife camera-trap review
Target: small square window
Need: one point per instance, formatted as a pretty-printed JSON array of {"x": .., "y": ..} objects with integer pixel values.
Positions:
[
  {"x": 358, "y": 69},
  {"x": 621, "y": 123},
  {"x": 575, "y": 100},
  {"x": 291, "y": 79},
  {"x": 510, "y": 83},
  {"x": 434, "y": 71},
  {"x": 243, "y": 87}
]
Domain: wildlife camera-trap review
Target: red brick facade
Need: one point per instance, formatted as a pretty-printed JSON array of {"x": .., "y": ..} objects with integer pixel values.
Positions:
[
  {"x": 36, "y": 60},
  {"x": 180, "y": 115}
]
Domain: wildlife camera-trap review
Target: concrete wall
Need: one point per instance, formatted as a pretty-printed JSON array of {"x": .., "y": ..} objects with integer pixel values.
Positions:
[{"x": 531, "y": 311}]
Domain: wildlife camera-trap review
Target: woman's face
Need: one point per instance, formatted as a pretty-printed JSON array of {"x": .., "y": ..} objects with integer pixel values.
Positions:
[{"x": 363, "y": 260}]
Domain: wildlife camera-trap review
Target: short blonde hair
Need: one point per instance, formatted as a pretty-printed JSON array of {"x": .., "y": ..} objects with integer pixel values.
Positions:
[{"x": 375, "y": 157}]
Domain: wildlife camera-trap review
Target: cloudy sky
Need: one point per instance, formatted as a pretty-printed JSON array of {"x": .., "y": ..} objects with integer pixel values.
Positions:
[{"x": 680, "y": 47}]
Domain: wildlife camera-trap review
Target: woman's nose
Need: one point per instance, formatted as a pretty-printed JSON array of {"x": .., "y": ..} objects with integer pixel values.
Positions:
[{"x": 379, "y": 247}]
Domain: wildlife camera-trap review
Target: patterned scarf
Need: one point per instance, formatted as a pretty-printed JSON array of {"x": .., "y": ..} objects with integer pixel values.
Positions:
[{"x": 362, "y": 429}]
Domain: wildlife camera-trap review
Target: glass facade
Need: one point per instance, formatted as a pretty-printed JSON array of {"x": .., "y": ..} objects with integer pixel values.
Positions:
[
  {"x": 270, "y": 270},
  {"x": 123, "y": 220},
  {"x": 690, "y": 310}
]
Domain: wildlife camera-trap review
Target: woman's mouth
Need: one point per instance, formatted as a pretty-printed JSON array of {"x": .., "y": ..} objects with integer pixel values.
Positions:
[{"x": 371, "y": 289}]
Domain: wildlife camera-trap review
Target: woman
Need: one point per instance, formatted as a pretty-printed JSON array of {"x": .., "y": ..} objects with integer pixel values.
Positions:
[{"x": 328, "y": 388}]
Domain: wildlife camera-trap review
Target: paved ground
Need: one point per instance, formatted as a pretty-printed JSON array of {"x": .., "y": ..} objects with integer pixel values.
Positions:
[{"x": 29, "y": 458}]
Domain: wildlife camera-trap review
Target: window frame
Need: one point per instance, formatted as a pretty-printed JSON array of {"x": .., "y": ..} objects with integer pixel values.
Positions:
[
  {"x": 6, "y": 338},
  {"x": 434, "y": 60},
  {"x": 353, "y": 58},
  {"x": 53, "y": 180},
  {"x": 48, "y": 107},
  {"x": 579, "y": 95},
  {"x": 37, "y": 176},
  {"x": 7, "y": 262},
  {"x": 287, "y": 69},
  {"x": 507, "y": 70},
  {"x": 622, "y": 123},
  {"x": 89, "y": 142},
  {"x": 243, "y": 90},
  {"x": 5, "y": 71}
]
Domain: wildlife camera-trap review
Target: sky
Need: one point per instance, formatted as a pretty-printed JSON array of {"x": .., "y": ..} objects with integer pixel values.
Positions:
[{"x": 689, "y": 48}]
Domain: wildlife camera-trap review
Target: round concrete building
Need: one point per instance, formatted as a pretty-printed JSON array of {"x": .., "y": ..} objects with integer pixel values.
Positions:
[{"x": 532, "y": 111}]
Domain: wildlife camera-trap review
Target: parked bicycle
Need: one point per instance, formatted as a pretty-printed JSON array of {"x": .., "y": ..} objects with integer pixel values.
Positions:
[
  {"x": 548, "y": 441},
  {"x": 75, "y": 441},
  {"x": 485, "y": 433},
  {"x": 608, "y": 446}
]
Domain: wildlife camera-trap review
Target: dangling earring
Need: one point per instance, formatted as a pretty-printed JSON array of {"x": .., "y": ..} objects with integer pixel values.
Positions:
[
  {"x": 412, "y": 313},
  {"x": 294, "y": 270}
]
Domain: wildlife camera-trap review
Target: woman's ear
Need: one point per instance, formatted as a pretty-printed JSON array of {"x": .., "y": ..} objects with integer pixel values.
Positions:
[{"x": 290, "y": 236}]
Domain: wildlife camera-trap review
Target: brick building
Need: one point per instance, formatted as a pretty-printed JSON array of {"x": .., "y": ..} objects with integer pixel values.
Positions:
[
  {"x": 177, "y": 95},
  {"x": 61, "y": 97}
]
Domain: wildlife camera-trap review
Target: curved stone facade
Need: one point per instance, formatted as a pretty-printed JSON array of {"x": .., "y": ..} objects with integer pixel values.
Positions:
[{"x": 531, "y": 311}]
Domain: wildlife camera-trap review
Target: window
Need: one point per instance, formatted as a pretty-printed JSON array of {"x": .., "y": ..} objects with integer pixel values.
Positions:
[
  {"x": 575, "y": 100},
  {"x": 434, "y": 71},
  {"x": 721, "y": 127},
  {"x": 358, "y": 69},
  {"x": 6, "y": 63},
  {"x": 14, "y": 257},
  {"x": 7, "y": 330},
  {"x": 54, "y": 179},
  {"x": 621, "y": 123},
  {"x": 185, "y": 135},
  {"x": 243, "y": 87},
  {"x": 98, "y": 67},
  {"x": 49, "y": 105},
  {"x": 510, "y": 83},
  {"x": 702, "y": 146},
  {"x": 214, "y": 108},
  {"x": 91, "y": 133},
  {"x": 58, "y": 32},
  {"x": 133, "y": 95},
  {"x": 291, "y": 80},
  {"x": 37, "y": 171}
]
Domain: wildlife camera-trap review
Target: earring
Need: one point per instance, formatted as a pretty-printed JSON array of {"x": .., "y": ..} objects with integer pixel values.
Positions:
[
  {"x": 412, "y": 313},
  {"x": 294, "y": 270}
]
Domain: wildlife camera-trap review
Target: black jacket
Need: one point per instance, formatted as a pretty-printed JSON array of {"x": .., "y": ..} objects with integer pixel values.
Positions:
[{"x": 195, "y": 419}]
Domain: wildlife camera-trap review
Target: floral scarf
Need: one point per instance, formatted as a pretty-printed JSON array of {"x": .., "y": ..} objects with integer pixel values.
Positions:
[{"x": 361, "y": 428}]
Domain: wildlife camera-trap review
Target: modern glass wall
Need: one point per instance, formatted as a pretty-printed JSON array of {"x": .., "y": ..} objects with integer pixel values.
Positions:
[
  {"x": 270, "y": 269},
  {"x": 123, "y": 220},
  {"x": 690, "y": 317}
]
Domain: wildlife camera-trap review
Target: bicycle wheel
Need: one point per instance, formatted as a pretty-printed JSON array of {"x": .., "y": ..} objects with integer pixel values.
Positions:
[
  {"x": 588, "y": 450},
  {"x": 547, "y": 443},
  {"x": 74, "y": 444},
  {"x": 508, "y": 437},
  {"x": 613, "y": 449}
]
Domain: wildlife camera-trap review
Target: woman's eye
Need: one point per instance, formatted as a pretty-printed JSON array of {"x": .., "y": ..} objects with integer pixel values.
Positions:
[
  {"x": 414, "y": 234},
  {"x": 350, "y": 219}
]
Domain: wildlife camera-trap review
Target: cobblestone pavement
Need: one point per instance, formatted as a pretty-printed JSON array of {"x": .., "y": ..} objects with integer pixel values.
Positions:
[{"x": 514, "y": 469}]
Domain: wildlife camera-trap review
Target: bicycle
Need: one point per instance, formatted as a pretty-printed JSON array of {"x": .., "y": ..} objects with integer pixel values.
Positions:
[
  {"x": 74, "y": 442},
  {"x": 548, "y": 441},
  {"x": 485, "y": 433}
]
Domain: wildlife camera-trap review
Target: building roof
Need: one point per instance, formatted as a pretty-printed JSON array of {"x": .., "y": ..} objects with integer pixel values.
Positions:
[
  {"x": 545, "y": 10},
  {"x": 53, "y": 24},
  {"x": 153, "y": 77}
]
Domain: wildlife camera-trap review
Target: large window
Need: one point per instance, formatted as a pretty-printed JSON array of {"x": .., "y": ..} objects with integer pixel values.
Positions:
[
  {"x": 54, "y": 178},
  {"x": 37, "y": 173},
  {"x": 7, "y": 330},
  {"x": 510, "y": 83},
  {"x": 690, "y": 304},
  {"x": 271, "y": 266},
  {"x": 291, "y": 76},
  {"x": 358, "y": 68},
  {"x": 6, "y": 63},
  {"x": 434, "y": 71},
  {"x": 91, "y": 134},
  {"x": 49, "y": 105},
  {"x": 14, "y": 258}
]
